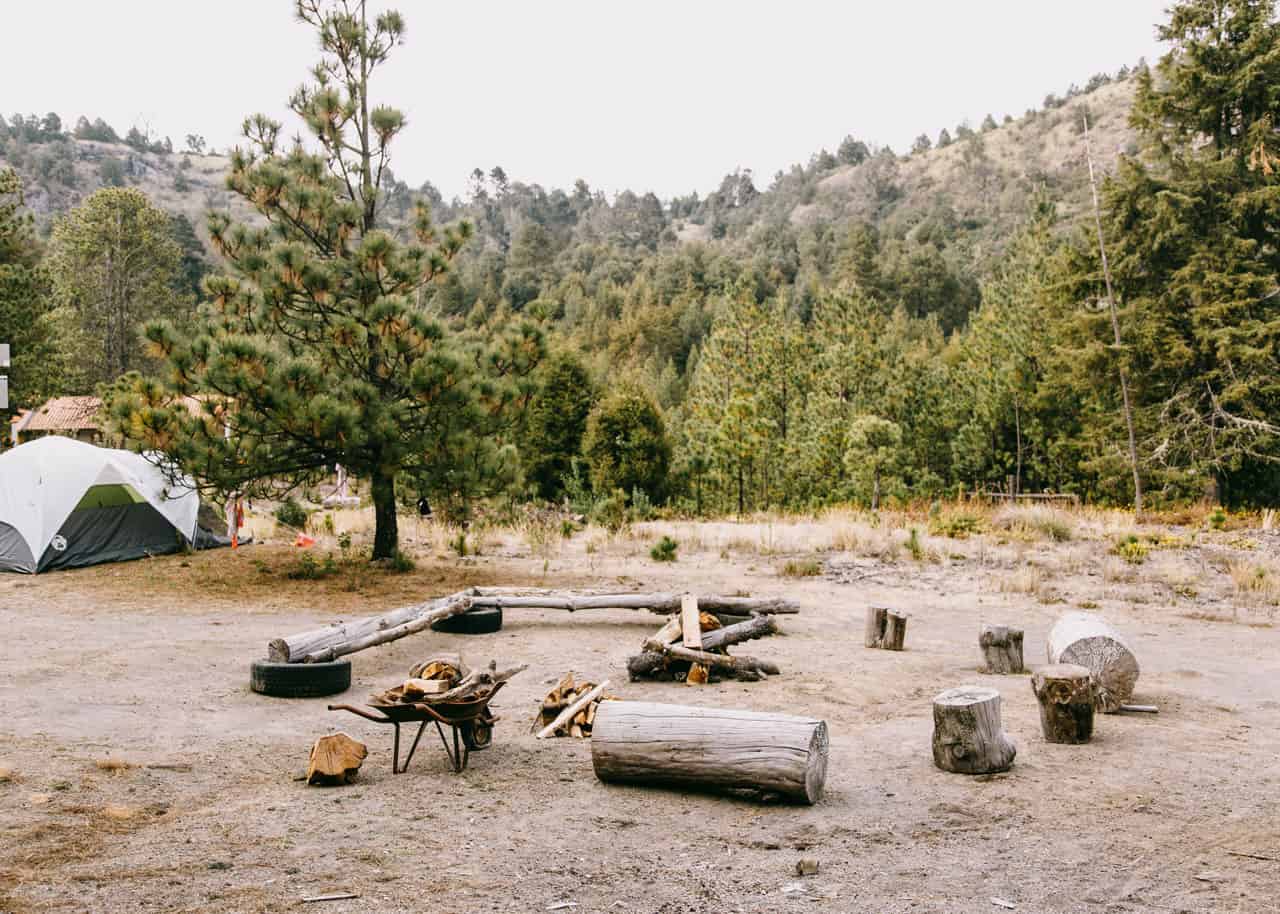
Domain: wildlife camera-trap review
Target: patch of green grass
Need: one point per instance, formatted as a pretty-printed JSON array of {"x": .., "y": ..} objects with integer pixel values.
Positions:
[
  {"x": 956, "y": 526},
  {"x": 664, "y": 550},
  {"x": 1131, "y": 549},
  {"x": 292, "y": 514}
]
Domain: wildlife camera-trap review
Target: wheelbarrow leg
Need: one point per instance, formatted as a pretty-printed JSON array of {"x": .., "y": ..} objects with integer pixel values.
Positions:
[
  {"x": 396, "y": 766},
  {"x": 459, "y": 754}
]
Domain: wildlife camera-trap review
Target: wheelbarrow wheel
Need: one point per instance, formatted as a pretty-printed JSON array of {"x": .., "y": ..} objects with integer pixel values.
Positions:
[{"x": 477, "y": 735}]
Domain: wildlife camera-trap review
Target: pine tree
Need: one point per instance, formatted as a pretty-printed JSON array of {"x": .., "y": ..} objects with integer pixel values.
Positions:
[
  {"x": 312, "y": 351},
  {"x": 116, "y": 265},
  {"x": 557, "y": 422}
]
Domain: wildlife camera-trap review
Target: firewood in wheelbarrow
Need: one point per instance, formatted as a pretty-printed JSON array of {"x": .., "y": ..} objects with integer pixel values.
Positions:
[
  {"x": 480, "y": 681},
  {"x": 414, "y": 689},
  {"x": 440, "y": 666},
  {"x": 335, "y": 759}
]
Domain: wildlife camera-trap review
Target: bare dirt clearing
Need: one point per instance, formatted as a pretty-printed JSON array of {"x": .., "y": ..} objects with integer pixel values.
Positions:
[{"x": 118, "y": 678}]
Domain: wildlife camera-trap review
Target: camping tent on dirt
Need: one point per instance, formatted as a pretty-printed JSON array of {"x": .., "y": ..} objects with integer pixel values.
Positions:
[{"x": 65, "y": 503}]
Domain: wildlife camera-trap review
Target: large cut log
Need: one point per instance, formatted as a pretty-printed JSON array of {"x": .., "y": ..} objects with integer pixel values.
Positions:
[
  {"x": 452, "y": 606},
  {"x": 1001, "y": 649},
  {"x": 315, "y": 642},
  {"x": 335, "y": 759},
  {"x": 1066, "y": 695},
  {"x": 1086, "y": 639},
  {"x": 710, "y": 748},
  {"x": 967, "y": 734},
  {"x": 755, "y": 627},
  {"x": 665, "y": 603}
]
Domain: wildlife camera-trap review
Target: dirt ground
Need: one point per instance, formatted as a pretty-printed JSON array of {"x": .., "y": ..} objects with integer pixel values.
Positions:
[{"x": 139, "y": 773}]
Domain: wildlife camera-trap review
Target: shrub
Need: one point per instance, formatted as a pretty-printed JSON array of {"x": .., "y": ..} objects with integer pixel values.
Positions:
[
  {"x": 626, "y": 444},
  {"x": 1037, "y": 520},
  {"x": 459, "y": 543},
  {"x": 801, "y": 568},
  {"x": 611, "y": 512},
  {"x": 956, "y": 526},
  {"x": 914, "y": 546},
  {"x": 308, "y": 569},
  {"x": 1131, "y": 549},
  {"x": 1218, "y": 519},
  {"x": 664, "y": 550},
  {"x": 292, "y": 514},
  {"x": 401, "y": 562}
]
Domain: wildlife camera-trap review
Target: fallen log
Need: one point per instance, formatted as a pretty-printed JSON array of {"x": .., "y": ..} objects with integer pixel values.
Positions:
[
  {"x": 335, "y": 759},
  {"x": 572, "y": 711},
  {"x": 295, "y": 647},
  {"x": 1086, "y": 639},
  {"x": 664, "y": 603},
  {"x": 754, "y": 627},
  {"x": 722, "y": 661},
  {"x": 1065, "y": 692},
  {"x": 710, "y": 748},
  {"x": 1001, "y": 649},
  {"x": 967, "y": 734},
  {"x": 452, "y": 606}
]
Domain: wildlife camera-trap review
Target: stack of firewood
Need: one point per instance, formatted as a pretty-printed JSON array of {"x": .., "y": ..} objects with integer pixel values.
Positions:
[
  {"x": 693, "y": 647},
  {"x": 446, "y": 678},
  {"x": 570, "y": 708}
]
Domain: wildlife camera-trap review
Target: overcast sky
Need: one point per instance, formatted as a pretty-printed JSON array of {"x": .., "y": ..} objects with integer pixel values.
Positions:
[{"x": 663, "y": 96}]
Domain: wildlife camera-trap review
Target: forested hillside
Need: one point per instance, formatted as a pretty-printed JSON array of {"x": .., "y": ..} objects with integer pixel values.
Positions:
[{"x": 868, "y": 324}]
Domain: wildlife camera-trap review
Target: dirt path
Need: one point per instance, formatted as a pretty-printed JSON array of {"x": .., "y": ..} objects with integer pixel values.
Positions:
[{"x": 1141, "y": 820}]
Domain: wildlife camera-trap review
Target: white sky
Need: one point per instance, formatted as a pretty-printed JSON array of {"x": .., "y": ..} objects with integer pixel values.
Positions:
[{"x": 661, "y": 95}]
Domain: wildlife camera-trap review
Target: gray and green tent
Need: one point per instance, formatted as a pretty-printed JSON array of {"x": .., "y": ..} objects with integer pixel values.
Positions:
[{"x": 65, "y": 503}]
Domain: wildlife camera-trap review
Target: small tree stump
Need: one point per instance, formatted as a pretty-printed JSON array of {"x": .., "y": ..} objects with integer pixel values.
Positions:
[
  {"x": 1067, "y": 695},
  {"x": 1001, "y": 649},
  {"x": 886, "y": 628},
  {"x": 335, "y": 759},
  {"x": 1087, "y": 639},
  {"x": 967, "y": 735}
]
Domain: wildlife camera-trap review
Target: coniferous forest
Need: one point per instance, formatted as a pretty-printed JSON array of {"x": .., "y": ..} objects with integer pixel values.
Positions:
[{"x": 871, "y": 325}]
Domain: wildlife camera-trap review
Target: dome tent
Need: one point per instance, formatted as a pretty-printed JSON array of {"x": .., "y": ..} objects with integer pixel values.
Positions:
[{"x": 65, "y": 503}]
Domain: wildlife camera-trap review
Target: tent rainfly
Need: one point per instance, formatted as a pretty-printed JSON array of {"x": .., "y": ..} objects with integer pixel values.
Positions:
[{"x": 65, "y": 503}]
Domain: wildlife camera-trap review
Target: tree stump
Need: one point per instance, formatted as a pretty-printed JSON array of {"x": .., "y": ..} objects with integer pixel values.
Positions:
[
  {"x": 967, "y": 734},
  {"x": 710, "y": 748},
  {"x": 1001, "y": 649},
  {"x": 335, "y": 759},
  {"x": 1086, "y": 639},
  {"x": 886, "y": 628},
  {"x": 1066, "y": 695}
]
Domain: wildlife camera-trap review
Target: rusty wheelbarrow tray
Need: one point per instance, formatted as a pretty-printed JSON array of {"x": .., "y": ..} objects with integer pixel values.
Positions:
[{"x": 470, "y": 722}]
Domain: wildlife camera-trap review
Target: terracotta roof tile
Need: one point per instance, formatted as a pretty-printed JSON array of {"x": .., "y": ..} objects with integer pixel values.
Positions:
[{"x": 64, "y": 414}]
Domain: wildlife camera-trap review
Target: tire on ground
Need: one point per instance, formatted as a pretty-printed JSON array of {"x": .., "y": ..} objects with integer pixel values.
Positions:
[
  {"x": 480, "y": 621},
  {"x": 300, "y": 680}
]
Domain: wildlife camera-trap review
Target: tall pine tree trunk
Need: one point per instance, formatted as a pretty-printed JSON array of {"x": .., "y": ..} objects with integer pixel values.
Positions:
[
  {"x": 1017, "y": 426},
  {"x": 875, "y": 491},
  {"x": 386, "y": 536}
]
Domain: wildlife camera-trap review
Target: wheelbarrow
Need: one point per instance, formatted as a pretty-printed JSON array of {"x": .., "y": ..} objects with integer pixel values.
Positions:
[{"x": 470, "y": 722}]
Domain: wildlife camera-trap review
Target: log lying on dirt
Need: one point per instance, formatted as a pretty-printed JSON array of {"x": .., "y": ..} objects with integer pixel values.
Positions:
[
  {"x": 1001, "y": 649},
  {"x": 886, "y": 628},
  {"x": 968, "y": 737},
  {"x": 1067, "y": 696},
  {"x": 755, "y": 627},
  {"x": 710, "y": 748},
  {"x": 664, "y": 657},
  {"x": 664, "y": 603},
  {"x": 335, "y": 759},
  {"x": 1086, "y": 639},
  {"x": 332, "y": 641}
]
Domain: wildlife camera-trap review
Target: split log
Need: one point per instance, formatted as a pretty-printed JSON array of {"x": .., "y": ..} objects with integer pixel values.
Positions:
[
  {"x": 413, "y": 689},
  {"x": 690, "y": 624},
  {"x": 1086, "y": 639},
  {"x": 717, "y": 748},
  {"x": 697, "y": 675},
  {"x": 572, "y": 711},
  {"x": 479, "y": 681},
  {"x": 1001, "y": 649},
  {"x": 335, "y": 759},
  {"x": 452, "y": 606},
  {"x": 335, "y": 640},
  {"x": 1066, "y": 695},
  {"x": 665, "y": 603},
  {"x": 886, "y": 628},
  {"x": 669, "y": 633},
  {"x": 754, "y": 627},
  {"x": 967, "y": 735}
]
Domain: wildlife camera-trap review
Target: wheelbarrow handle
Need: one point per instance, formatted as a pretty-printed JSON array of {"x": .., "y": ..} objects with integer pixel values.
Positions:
[{"x": 383, "y": 719}]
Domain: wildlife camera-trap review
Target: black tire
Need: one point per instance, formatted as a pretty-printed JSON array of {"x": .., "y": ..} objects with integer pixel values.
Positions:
[
  {"x": 477, "y": 736},
  {"x": 300, "y": 680},
  {"x": 482, "y": 621}
]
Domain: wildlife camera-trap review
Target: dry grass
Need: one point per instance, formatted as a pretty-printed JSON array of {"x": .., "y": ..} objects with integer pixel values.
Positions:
[
  {"x": 1035, "y": 522},
  {"x": 801, "y": 568},
  {"x": 1255, "y": 582},
  {"x": 1031, "y": 580}
]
